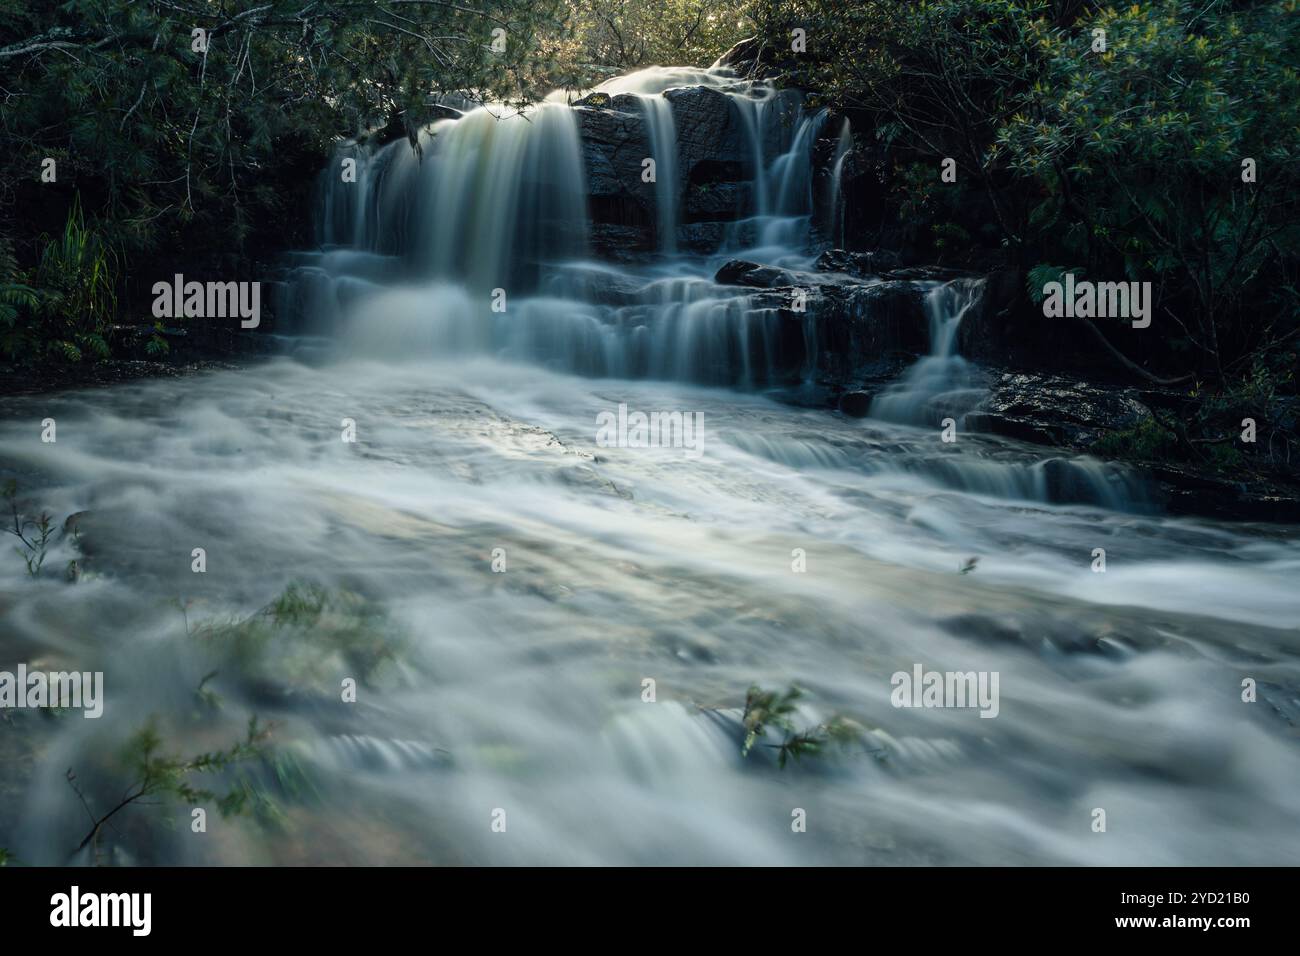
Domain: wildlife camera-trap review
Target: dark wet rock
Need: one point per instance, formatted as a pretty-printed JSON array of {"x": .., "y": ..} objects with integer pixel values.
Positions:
[
  {"x": 713, "y": 170},
  {"x": 858, "y": 263},
  {"x": 854, "y": 322},
  {"x": 1188, "y": 492},
  {"x": 747, "y": 57},
  {"x": 868, "y": 380},
  {"x": 614, "y": 142},
  {"x": 709, "y": 128},
  {"x": 441, "y": 111},
  {"x": 604, "y": 287},
  {"x": 619, "y": 243},
  {"x": 858, "y": 324},
  {"x": 741, "y": 272},
  {"x": 856, "y": 404},
  {"x": 927, "y": 274},
  {"x": 716, "y": 202},
  {"x": 596, "y": 100},
  {"x": 702, "y": 237},
  {"x": 984, "y": 629},
  {"x": 1065, "y": 481},
  {"x": 1053, "y": 410}
]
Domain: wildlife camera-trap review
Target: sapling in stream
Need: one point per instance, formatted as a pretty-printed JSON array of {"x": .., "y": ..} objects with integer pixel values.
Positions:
[
  {"x": 766, "y": 709},
  {"x": 33, "y": 533},
  {"x": 158, "y": 775}
]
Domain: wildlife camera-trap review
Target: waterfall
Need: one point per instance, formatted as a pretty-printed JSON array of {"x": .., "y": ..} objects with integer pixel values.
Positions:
[
  {"x": 663, "y": 147},
  {"x": 835, "y": 205},
  {"x": 487, "y": 197},
  {"x": 415, "y": 245},
  {"x": 476, "y": 244},
  {"x": 938, "y": 385}
]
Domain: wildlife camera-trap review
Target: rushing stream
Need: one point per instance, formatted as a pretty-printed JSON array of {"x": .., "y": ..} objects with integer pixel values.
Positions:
[{"x": 501, "y": 582}]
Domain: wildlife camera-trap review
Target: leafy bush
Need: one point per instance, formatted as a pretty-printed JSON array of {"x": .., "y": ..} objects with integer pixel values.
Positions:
[
  {"x": 77, "y": 277},
  {"x": 1126, "y": 163}
]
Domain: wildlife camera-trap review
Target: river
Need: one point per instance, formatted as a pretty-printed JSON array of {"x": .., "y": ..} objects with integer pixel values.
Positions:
[{"x": 501, "y": 584}]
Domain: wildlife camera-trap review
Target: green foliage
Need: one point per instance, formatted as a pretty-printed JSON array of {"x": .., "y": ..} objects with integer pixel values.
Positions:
[
  {"x": 1127, "y": 162},
  {"x": 157, "y": 773},
  {"x": 65, "y": 311},
  {"x": 769, "y": 710},
  {"x": 613, "y": 36},
  {"x": 1148, "y": 440},
  {"x": 17, "y": 299},
  {"x": 33, "y": 534},
  {"x": 1138, "y": 152},
  {"x": 77, "y": 276},
  {"x": 153, "y": 773},
  {"x": 305, "y": 638},
  {"x": 1037, "y": 277},
  {"x": 764, "y": 708}
]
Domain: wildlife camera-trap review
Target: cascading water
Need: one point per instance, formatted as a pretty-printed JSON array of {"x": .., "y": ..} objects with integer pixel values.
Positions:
[
  {"x": 663, "y": 145},
  {"x": 495, "y": 201},
  {"x": 501, "y": 584},
  {"x": 938, "y": 385},
  {"x": 835, "y": 203}
]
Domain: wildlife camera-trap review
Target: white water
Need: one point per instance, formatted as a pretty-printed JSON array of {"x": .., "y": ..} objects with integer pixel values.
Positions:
[
  {"x": 835, "y": 204},
  {"x": 938, "y": 385},
  {"x": 522, "y": 690},
  {"x": 663, "y": 147}
]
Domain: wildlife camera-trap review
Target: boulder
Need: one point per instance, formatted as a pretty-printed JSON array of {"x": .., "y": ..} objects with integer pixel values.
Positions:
[
  {"x": 872, "y": 263},
  {"x": 855, "y": 322},
  {"x": 856, "y": 404},
  {"x": 743, "y": 272},
  {"x": 1054, "y": 410},
  {"x": 701, "y": 237},
  {"x": 709, "y": 127},
  {"x": 614, "y": 142},
  {"x": 716, "y": 201}
]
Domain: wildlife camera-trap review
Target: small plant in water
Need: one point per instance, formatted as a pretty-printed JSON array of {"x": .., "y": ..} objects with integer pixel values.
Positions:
[
  {"x": 766, "y": 709},
  {"x": 158, "y": 775},
  {"x": 34, "y": 533}
]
